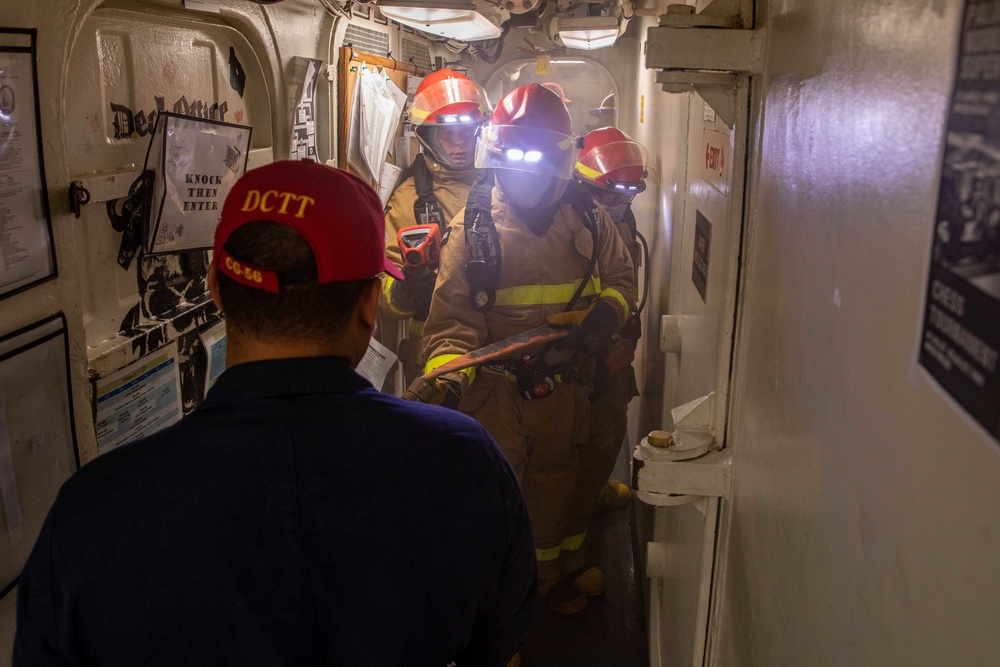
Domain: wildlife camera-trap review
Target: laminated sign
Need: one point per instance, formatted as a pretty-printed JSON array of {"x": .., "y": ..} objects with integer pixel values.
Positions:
[
  {"x": 192, "y": 163},
  {"x": 960, "y": 336}
]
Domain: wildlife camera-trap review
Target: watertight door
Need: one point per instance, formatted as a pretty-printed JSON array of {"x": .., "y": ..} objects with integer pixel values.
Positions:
[{"x": 697, "y": 339}]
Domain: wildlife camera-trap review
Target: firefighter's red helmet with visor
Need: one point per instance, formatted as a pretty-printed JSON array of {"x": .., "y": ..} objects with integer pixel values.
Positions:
[
  {"x": 530, "y": 131},
  {"x": 448, "y": 103},
  {"x": 612, "y": 164}
]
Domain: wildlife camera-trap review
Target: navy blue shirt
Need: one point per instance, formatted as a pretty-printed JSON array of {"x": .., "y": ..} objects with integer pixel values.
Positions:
[{"x": 296, "y": 517}]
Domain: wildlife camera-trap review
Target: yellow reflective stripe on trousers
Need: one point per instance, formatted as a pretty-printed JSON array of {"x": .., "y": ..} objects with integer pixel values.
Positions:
[
  {"x": 544, "y": 555},
  {"x": 617, "y": 296},
  {"x": 417, "y": 327},
  {"x": 387, "y": 293},
  {"x": 574, "y": 542},
  {"x": 530, "y": 295},
  {"x": 440, "y": 360}
]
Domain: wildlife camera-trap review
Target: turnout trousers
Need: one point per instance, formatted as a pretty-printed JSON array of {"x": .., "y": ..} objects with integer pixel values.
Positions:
[
  {"x": 542, "y": 439},
  {"x": 608, "y": 420}
]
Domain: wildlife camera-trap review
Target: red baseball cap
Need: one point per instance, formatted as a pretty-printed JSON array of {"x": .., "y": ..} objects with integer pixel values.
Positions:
[{"x": 338, "y": 215}]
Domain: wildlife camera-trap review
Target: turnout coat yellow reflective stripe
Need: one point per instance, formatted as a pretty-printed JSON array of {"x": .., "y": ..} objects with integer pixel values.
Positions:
[{"x": 539, "y": 273}]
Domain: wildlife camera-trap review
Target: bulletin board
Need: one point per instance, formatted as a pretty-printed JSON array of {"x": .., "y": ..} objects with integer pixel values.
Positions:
[{"x": 350, "y": 60}]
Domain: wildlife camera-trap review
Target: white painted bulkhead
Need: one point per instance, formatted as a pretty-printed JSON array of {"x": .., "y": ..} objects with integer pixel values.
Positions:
[{"x": 864, "y": 522}]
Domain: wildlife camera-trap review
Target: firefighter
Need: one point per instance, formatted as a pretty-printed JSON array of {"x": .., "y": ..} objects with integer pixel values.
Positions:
[
  {"x": 528, "y": 249},
  {"x": 447, "y": 110},
  {"x": 613, "y": 168},
  {"x": 558, "y": 90},
  {"x": 604, "y": 114}
]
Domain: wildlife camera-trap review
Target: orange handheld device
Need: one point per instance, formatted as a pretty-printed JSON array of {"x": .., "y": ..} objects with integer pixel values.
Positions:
[{"x": 420, "y": 245}]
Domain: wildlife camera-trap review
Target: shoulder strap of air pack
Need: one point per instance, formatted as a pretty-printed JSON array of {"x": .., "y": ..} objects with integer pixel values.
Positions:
[
  {"x": 579, "y": 197},
  {"x": 426, "y": 209},
  {"x": 483, "y": 269}
]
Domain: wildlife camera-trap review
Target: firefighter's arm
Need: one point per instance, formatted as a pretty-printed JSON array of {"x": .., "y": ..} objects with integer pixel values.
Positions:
[
  {"x": 616, "y": 271},
  {"x": 410, "y": 297},
  {"x": 593, "y": 327},
  {"x": 453, "y": 328},
  {"x": 402, "y": 299}
]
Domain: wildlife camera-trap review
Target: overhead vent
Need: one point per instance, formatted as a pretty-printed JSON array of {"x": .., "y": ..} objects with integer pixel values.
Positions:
[
  {"x": 367, "y": 40},
  {"x": 417, "y": 53}
]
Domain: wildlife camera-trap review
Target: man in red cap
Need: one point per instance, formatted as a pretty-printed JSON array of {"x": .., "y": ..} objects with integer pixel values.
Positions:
[{"x": 297, "y": 516}]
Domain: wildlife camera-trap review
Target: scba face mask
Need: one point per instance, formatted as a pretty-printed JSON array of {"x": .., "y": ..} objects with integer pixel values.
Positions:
[{"x": 527, "y": 192}]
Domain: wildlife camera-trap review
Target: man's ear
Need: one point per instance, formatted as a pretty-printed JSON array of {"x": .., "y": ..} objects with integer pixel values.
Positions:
[
  {"x": 368, "y": 303},
  {"x": 213, "y": 285}
]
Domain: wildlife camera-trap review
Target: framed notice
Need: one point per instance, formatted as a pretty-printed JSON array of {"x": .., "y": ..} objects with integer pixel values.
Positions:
[
  {"x": 960, "y": 333},
  {"x": 192, "y": 163},
  {"x": 37, "y": 437},
  {"x": 27, "y": 255}
]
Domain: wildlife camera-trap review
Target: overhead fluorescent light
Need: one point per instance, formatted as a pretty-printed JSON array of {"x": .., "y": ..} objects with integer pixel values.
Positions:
[
  {"x": 588, "y": 33},
  {"x": 464, "y": 20}
]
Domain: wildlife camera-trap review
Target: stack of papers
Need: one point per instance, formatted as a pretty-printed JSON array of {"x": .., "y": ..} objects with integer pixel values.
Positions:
[{"x": 378, "y": 105}]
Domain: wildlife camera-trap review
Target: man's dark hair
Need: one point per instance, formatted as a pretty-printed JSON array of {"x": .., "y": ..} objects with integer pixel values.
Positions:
[{"x": 303, "y": 309}]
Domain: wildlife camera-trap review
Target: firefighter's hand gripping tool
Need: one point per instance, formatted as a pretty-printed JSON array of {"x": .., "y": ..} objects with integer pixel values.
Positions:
[{"x": 425, "y": 389}]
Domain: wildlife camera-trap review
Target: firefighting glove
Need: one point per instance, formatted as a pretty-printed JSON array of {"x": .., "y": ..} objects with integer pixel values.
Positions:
[
  {"x": 413, "y": 293},
  {"x": 568, "y": 318},
  {"x": 558, "y": 352},
  {"x": 449, "y": 388},
  {"x": 594, "y": 332}
]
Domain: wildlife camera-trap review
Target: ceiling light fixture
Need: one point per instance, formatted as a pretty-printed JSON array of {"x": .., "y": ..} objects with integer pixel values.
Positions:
[
  {"x": 465, "y": 20},
  {"x": 588, "y": 33}
]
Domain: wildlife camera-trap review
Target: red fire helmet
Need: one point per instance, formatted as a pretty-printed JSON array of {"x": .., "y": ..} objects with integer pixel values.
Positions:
[
  {"x": 611, "y": 160},
  {"x": 447, "y": 97},
  {"x": 530, "y": 131}
]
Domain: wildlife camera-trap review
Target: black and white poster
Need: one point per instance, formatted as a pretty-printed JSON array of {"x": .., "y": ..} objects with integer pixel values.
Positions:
[
  {"x": 961, "y": 325},
  {"x": 305, "y": 72}
]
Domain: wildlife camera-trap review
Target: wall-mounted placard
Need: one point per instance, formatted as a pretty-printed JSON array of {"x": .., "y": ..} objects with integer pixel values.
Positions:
[
  {"x": 139, "y": 399},
  {"x": 27, "y": 255},
  {"x": 702, "y": 251},
  {"x": 193, "y": 163},
  {"x": 960, "y": 336},
  {"x": 213, "y": 341},
  {"x": 305, "y": 73},
  {"x": 37, "y": 437}
]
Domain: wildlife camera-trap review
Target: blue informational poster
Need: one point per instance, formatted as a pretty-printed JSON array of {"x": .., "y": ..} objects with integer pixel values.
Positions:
[
  {"x": 138, "y": 400},
  {"x": 961, "y": 325}
]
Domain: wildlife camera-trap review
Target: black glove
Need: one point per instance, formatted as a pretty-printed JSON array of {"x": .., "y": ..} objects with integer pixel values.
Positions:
[
  {"x": 413, "y": 293},
  {"x": 594, "y": 333},
  {"x": 450, "y": 387}
]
